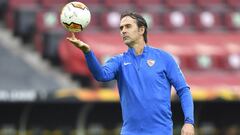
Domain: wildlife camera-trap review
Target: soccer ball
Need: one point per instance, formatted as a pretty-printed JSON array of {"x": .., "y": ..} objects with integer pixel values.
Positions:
[{"x": 75, "y": 16}]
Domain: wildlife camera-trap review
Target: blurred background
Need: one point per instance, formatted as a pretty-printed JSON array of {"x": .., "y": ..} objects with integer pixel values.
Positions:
[{"x": 46, "y": 88}]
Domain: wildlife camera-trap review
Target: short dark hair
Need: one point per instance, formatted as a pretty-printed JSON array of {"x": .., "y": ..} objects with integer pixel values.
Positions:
[{"x": 140, "y": 21}]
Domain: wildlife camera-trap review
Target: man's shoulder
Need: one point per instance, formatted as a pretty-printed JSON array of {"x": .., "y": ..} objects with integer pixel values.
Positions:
[
  {"x": 159, "y": 51},
  {"x": 118, "y": 57},
  {"x": 122, "y": 55}
]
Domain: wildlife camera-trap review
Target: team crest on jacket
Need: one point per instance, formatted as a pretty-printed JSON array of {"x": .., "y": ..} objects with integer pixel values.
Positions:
[{"x": 150, "y": 62}]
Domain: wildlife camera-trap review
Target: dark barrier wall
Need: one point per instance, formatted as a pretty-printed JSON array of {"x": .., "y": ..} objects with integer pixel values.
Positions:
[{"x": 104, "y": 118}]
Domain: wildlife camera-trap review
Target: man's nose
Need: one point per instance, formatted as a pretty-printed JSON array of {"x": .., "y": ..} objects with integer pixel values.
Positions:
[{"x": 123, "y": 32}]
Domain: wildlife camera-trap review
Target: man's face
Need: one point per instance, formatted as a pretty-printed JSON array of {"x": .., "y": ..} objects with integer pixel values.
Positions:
[{"x": 129, "y": 31}]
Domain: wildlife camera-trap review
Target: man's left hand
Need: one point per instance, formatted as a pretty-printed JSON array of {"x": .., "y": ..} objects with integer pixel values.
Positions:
[{"x": 188, "y": 129}]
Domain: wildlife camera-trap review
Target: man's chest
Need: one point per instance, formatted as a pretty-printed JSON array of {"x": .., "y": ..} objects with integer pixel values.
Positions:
[{"x": 146, "y": 68}]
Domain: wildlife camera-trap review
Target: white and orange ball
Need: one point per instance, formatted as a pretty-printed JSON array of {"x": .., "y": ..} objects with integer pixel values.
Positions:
[{"x": 75, "y": 16}]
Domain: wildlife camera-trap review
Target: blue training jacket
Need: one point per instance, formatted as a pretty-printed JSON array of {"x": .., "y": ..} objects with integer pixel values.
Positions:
[{"x": 144, "y": 83}]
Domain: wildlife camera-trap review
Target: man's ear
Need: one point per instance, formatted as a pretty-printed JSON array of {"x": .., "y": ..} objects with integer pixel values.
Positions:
[{"x": 142, "y": 29}]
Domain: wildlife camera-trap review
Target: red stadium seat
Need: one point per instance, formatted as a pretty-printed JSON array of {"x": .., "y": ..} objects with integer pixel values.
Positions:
[
  {"x": 149, "y": 5},
  {"x": 15, "y": 4},
  {"x": 46, "y": 20},
  {"x": 94, "y": 5},
  {"x": 119, "y": 5},
  {"x": 201, "y": 56},
  {"x": 183, "y": 4},
  {"x": 94, "y": 25},
  {"x": 12, "y": 4},
  {"x": 153, "y": 20},
  {"x": 234, "y": 3},
  {"x": 209, "y": 3},
  {"x": 48, "y": 4},
  {"x": 232, "y": 60},
  {"x": 110, "y": 21},
  {"x": 208, "y": 56},
  {"x": 184, "y": 57},
  {"x": 213, "y": 51},
  {"x": 49, "y": 31},
  {"x": 201, "y": 51},
  {"x": 231, "y": 19},
  {"x": 177, "y": 21},
  {"x": 90, "y": 2},
  {"x": 96, "y": 8},
  {"x": 208, "y": 21}
]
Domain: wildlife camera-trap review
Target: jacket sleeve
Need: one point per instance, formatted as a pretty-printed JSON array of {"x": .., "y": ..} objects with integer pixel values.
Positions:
[
  {"x": 177, "y": 79},
  {"x": 103, "y": 73}
]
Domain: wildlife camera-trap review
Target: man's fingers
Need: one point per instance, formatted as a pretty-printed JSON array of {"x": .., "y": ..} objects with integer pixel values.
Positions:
[
  {"x": 183, "y": 132},
  {"x": 74, "y": 41},
  {"x": 186, "y": 133},
  {"x": 78, "y": 43},
  {"x": 70, "y": 39},
  {"x": 73, "y": 35}
]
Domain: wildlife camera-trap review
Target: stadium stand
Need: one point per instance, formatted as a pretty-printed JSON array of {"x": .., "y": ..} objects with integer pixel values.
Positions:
[
  {"x": 48, "y": 34},
  {"x": 178, "y": 21},
  {"x": 153, "y": 20},
  {"x": 110, "y": 20},
  {"x": 45, "y": 20},
  {"x": 97, "y": 8},
  {"x": 53, "y": 4},
  {"x": 233, "y": 4},
  {"x": 33, "y": 79},
  {"x": 210, "y": 3},
  {"x": 231, "y": 20},
  {"x": 180, "y": 4},
  {"x": 93, "y": 4},
  {"x": 24, "y": 18},
  {"x": 119, "y": 5},
  {"x": 3, "y": 9},
  {"x": 210, "y": 21},
  {"x": 149, "y": 5}
]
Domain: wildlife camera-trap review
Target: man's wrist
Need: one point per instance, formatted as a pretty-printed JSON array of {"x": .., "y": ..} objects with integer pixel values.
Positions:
[
  {"x": 86, "y": 50},
  {"x": 189, "y": 124}
]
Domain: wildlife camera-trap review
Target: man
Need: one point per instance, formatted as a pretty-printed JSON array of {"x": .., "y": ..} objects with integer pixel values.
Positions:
[{"x": 145, "y": 76}]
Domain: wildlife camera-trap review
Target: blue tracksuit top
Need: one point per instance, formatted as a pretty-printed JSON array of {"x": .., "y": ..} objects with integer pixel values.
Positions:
[{"x": 144, "y": 83}]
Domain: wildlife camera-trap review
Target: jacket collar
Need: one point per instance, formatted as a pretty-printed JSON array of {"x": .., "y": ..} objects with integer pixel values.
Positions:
[{"x": 131, "y": 51}]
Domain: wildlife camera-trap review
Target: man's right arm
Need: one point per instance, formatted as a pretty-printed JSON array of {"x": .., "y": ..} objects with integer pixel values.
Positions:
[{"x": 103, "y": 73}]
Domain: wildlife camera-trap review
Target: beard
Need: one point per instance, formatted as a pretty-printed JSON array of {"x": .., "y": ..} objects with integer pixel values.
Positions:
[{"x": 129, "y": 42}]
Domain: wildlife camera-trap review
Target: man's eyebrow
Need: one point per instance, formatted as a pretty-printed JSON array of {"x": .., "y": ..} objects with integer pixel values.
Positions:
[
  {"x": 122, "y": 26},
  {"x": 127, "y": 24}
]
